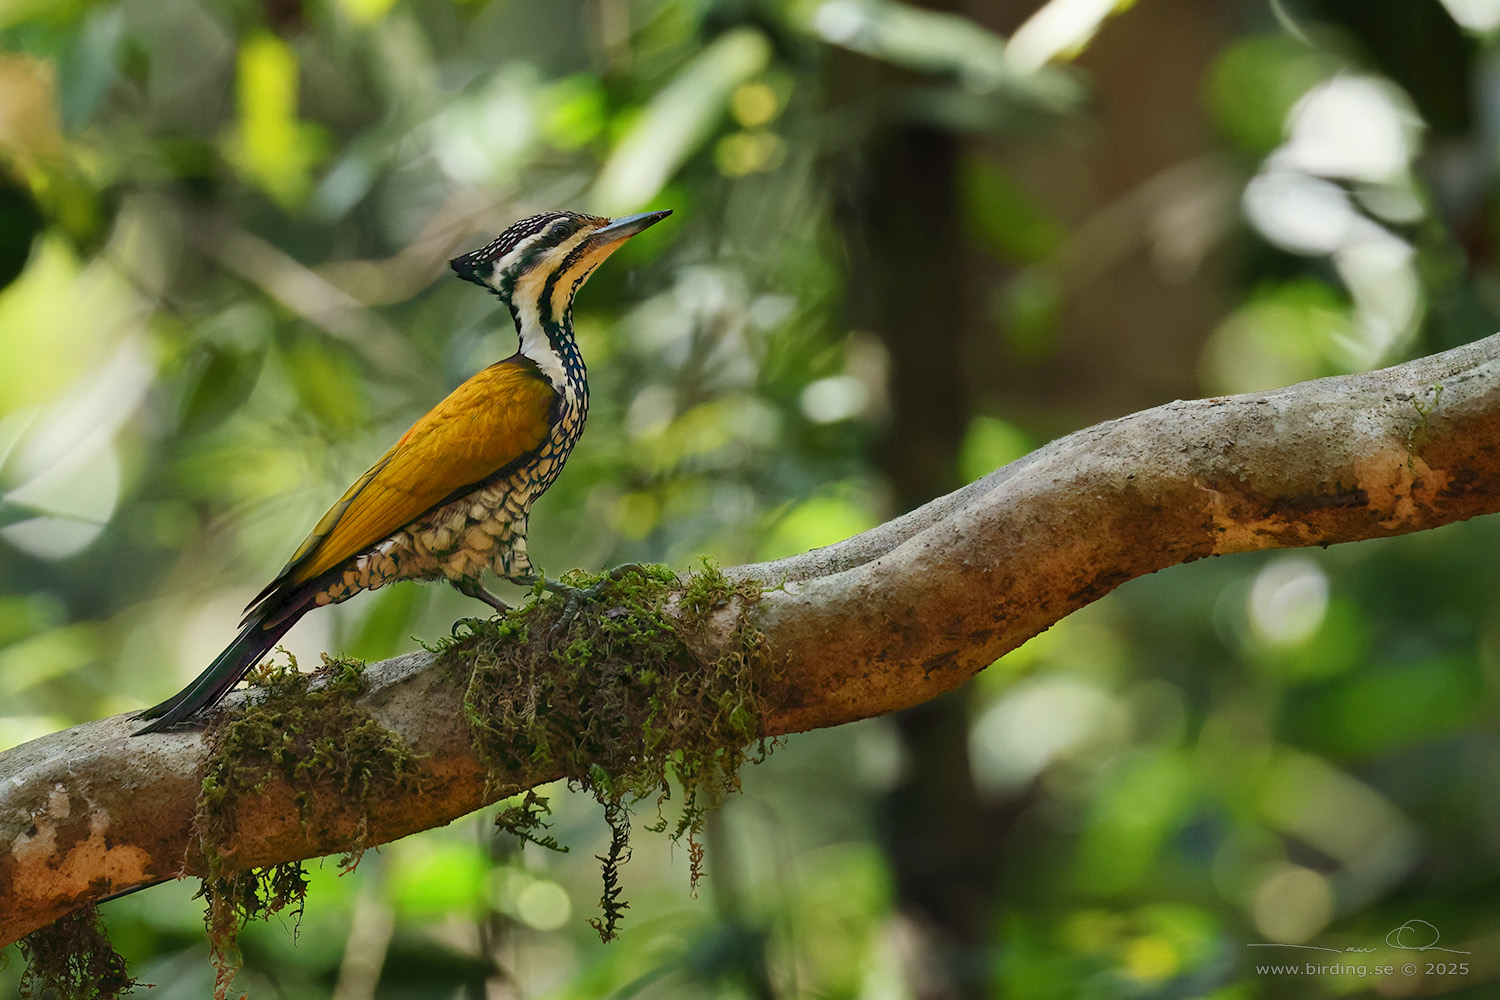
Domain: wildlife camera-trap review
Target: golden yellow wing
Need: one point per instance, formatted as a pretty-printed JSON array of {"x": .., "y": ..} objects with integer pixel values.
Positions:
[{"x": 495, "y": 418}]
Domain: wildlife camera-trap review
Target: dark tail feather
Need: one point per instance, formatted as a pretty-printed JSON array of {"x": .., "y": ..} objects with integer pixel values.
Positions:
[{"x": 222, "y": 674}]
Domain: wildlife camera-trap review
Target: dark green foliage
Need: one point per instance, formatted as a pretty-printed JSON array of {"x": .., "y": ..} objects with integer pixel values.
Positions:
[{"x": 20, "y": 222}]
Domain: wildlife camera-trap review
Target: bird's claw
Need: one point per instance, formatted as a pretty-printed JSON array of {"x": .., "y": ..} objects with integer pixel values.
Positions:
[
  {"x": 573, "y": 599},
  {"x": 472, "y": 623}
]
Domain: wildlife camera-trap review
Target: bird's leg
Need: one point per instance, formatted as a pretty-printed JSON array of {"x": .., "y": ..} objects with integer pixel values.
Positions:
[{"x": 472, "y": 588}]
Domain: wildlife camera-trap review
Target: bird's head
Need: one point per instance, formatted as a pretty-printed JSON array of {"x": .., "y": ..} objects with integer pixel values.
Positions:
[{"x": 543, "y": 260}]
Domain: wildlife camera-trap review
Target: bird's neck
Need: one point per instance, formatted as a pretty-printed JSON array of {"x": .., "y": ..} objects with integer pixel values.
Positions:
[{"x": 548, "y": 340}]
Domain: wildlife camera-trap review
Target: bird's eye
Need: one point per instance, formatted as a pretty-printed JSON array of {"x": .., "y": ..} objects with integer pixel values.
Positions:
[{"x": 560, "y": 229}]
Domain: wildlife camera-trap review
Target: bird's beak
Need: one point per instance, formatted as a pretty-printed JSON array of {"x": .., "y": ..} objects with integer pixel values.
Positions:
[{"x": 626, "y": 226}]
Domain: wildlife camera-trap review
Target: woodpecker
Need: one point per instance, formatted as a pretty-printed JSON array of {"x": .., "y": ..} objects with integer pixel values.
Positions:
[{"x": 450, "y": 499}]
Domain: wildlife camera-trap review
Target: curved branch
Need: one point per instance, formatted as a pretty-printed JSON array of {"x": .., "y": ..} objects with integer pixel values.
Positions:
[{"x": 883, "y": 620}]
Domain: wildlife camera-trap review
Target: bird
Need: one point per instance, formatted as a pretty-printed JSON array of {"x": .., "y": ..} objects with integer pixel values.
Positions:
[{"x": 450, "y": 499}]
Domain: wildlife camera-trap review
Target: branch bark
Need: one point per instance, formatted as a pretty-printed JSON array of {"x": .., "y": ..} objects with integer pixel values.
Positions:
[{"x": 886, "y": 619}]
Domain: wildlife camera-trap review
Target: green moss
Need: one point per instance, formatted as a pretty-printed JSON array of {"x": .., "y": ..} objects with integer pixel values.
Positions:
[
  {"x": 610, "y": 691},
  {"x": 307, "y": 731},
  {"x": 526, "y": 818},
  {"x": 72, "y": 959}
]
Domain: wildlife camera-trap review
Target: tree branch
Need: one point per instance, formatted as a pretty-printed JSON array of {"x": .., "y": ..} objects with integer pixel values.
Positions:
[{"x": 883, "y": 620}]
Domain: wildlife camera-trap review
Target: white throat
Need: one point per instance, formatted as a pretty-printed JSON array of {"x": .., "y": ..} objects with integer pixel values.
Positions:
[
  {"x": 526, "y": 298},
  {"x": 536, "y": 346}
]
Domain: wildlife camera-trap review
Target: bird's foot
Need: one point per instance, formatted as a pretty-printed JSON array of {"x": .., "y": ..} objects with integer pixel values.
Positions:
[{"x": 574, "y": 598}]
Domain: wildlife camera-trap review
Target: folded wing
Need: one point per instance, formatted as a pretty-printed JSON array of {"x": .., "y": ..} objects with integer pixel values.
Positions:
[{"x": 486, "y": 426}]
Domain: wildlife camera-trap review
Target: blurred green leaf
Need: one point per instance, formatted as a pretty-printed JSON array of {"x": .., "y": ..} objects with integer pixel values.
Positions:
[
  {"x": 22, "y": 615},
  {"x": 1007, "y": 220},
  {"x": 90, "y": 66},
  {"x": 578, "y": 112},
  {"x": 1341, "y": 643},
  {"x": 1284, "y": 333},
  {"x": 818, "y": 521},
  {"x": 330, "y": 384},
  {"x": 1254, "y": 83},
  {"x": 1389, "y": 705},
  {"x": 46, "y": 656},
  {"x": 365, "y": 12},
  {"x": 216, "y": 385},
  {"x": 1028, "y": 308},
  {"x": 1140, "y": 804},
  {"x": 270, "y": 144},
  {"x": 438, "y": 877},
  {"x": 388, "y": 623},
  {"x": 677, "y": 121},
  {"x": 988, "y": 444},
  {"x": 932, "y": 41}
]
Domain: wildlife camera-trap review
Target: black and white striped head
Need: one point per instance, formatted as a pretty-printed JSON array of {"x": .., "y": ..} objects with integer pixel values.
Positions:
[{"x": 540, "y": 262}]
